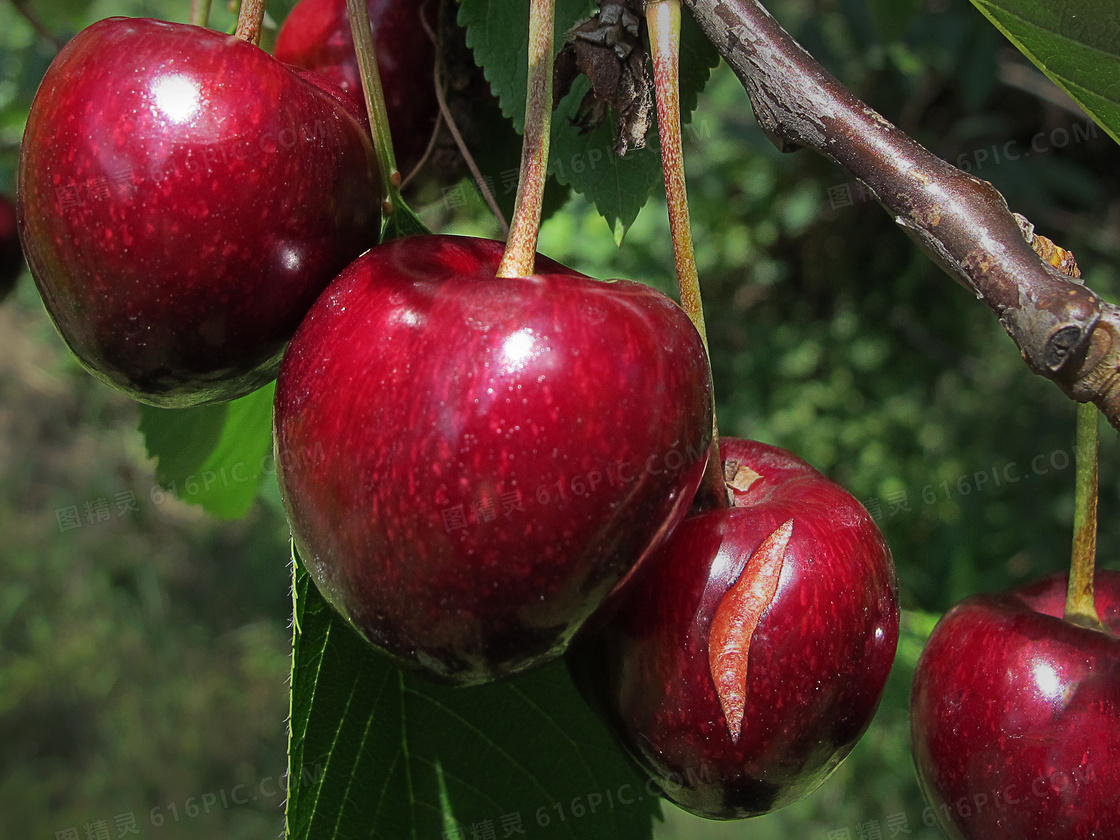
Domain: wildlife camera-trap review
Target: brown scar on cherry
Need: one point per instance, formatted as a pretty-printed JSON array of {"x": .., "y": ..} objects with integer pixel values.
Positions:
[
  {"x": 739, "y": 476},
  {"x": 736, "y": 619}
]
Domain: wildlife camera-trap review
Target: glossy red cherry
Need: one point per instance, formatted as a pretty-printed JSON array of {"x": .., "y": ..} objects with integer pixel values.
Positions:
[
  {"x": 1015, "y": 716},
  {"x": 472, "y": 464},
  {"x": 317, "y": 35},
  {"x": 183, "y": 199},
  {"x": 750, "y": 656}
]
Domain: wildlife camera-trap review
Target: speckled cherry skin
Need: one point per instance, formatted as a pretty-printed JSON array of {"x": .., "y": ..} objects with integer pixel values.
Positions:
[
  {"x": 317, "y": 35},
  {"x": 818, "y": 660},
  {"x": 11, "y": 255},
  {"x": 470, "y": 465},
  {"x": 183, "y": 199},
  {"x": 1015, "y": 716}
]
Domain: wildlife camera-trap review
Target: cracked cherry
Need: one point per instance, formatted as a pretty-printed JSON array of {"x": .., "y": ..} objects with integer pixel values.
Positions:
[
  {"x": 316, "y": 35},
  {"x": 11, "y": 255},
  {"x": 1015, "y": 716},
  {"x": 470, "y": 464},
  {"x": 183, "y": 199},
  {"x": 751, "y": 654}
]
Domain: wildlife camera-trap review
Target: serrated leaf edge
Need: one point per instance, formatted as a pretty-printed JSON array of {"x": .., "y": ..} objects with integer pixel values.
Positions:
[{"x": 1065, "y": 84}]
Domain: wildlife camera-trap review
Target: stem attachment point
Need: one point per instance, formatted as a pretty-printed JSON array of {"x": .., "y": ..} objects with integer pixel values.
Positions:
[
  {"x": 520, "y": 256},
  {"x": 250, "y": 19}
]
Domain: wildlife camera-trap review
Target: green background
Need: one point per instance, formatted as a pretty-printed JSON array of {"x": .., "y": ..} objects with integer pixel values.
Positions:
[{"x": 144, "y": 655}]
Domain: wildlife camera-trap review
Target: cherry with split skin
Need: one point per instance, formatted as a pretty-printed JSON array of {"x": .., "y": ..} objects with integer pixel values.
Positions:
[{"x": 750, "y": 656}]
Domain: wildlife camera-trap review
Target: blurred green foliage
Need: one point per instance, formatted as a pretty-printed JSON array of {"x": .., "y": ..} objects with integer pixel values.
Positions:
[{"x": 144, "y": 653}]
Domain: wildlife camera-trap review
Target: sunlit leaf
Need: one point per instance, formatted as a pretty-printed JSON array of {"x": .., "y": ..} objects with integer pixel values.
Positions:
[
  {"x": 380, "y": 754},
  {"x": 213, "y": 456}
]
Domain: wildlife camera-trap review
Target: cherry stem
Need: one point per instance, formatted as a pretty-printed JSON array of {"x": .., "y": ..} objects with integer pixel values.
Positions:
[
  {"x": 437, "y": 84},
  {"x": 200, "y": 13},
  {"x": 449, "y": 119},
  {"x": 461, "y": 145},
  {"x": 663, "y": 19},
  {"x": 1081, "y": 605},
  {"x": 520, "y": 255},
  {"x": 362, "y": 31},
  {"x": 250, "y": 19}
]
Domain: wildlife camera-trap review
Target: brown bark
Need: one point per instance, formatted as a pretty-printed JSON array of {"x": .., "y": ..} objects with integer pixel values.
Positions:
[{"x": 1063, "y": 329}]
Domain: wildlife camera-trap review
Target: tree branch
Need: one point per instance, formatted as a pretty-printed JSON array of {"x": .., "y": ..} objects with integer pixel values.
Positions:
[{"x": 1064, "y": 330}]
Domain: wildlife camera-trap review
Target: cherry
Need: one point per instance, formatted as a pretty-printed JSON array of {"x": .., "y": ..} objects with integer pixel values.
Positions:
[
  {"x": 317, "y": 35},
  {"x": 183, "y": 199},
  {"x": 750, "y": 655},
  {"x": 11, "y": 255},
  {"x": 1015, "y": 716},
  {"x": 471, "y": 465}
]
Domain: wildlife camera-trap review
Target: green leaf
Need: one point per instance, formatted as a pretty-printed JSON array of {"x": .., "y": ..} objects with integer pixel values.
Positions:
[
  {"x": 618, "y": 187},
  {"x": 698, "y": 57},
  {"x": 497, "y": 152},
  {"x": 215, "y": 455},
  {"x": 279, "y": 9},
  {"x": 1076, "y": 43},
  {"x": 380, "y": 754},
  {"x": 498, "y": 34}
]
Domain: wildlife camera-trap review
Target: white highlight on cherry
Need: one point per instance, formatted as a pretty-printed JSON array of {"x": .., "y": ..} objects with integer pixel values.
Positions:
[
  {"x": 517, "y": 349},
  {"x": 177, "y": 97}
]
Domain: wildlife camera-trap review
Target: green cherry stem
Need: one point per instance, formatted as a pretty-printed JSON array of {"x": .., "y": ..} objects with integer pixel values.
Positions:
[
  {"x": 520, "y": 255},
  {"x": 663, "y": 18},
  {"x": 375, "y": 105},
  {"x": 1081, "y": 606},
  {"x": 250, "y": 19},
  {"x": 200, "y": 12}
]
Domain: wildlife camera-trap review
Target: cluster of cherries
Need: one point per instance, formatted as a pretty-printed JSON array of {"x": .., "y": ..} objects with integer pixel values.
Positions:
[{"x": 509, "y": 469}]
